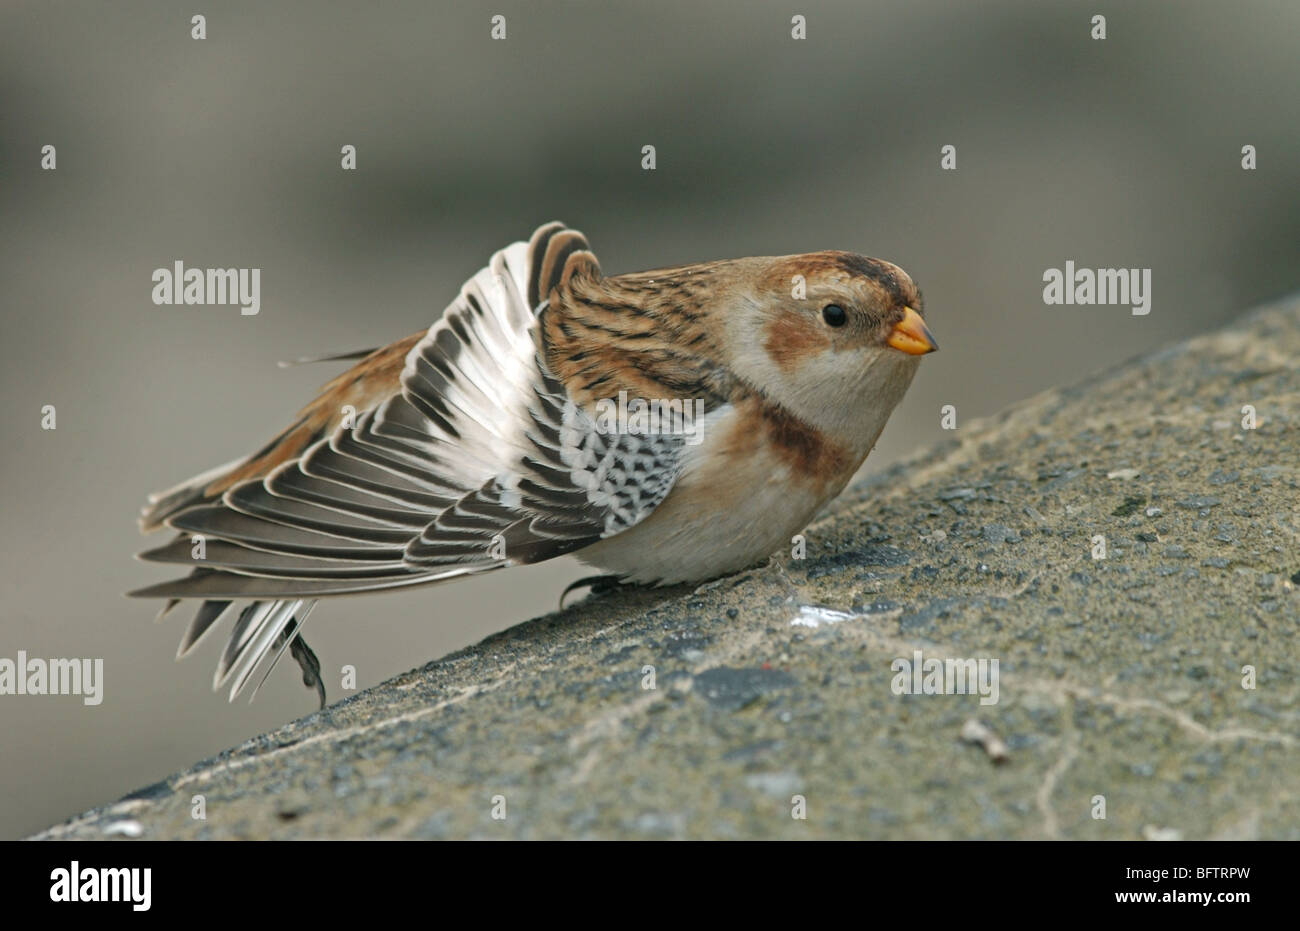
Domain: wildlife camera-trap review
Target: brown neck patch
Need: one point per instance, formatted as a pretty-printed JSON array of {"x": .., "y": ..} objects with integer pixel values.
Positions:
[
  {"x": 809, "y": 452},
  {"x": 813, "y": 458}
]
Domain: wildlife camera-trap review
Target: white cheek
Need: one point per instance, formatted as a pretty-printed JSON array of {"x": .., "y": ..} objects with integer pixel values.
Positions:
[
  {"x": 819, "y": 380},
  {"x": 848, "y": 394}
]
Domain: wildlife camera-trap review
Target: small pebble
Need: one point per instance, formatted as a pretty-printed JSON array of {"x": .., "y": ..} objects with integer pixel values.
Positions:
[
  {"x": 124, "y": 828},
  {"x": 974, "y": 732},
  {"x": 1151, "y": 832}
]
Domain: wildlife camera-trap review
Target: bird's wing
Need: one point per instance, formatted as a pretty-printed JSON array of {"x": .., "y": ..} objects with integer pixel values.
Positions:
[{"x": 468, "y": 457}]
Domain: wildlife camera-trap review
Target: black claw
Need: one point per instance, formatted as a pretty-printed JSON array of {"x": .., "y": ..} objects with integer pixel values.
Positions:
[
  {"x": 599, "y": 585},
  {"x": 310, "y": 665}
]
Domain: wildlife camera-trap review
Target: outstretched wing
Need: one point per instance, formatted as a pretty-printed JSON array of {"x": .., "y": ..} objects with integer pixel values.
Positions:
[{"x": 471, "y": 457}]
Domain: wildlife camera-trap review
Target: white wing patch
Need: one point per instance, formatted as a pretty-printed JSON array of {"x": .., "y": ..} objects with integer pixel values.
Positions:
[{"x": 478, "y": 460}]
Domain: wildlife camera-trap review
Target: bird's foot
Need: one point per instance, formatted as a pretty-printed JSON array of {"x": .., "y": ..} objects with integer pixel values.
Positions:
[
  {"x": 305, "y": 658},
  {"x": 598, "y": 584}
]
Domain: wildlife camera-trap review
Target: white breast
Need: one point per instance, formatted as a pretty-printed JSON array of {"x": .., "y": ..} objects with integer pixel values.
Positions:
[{"x": 731, "y": 507}]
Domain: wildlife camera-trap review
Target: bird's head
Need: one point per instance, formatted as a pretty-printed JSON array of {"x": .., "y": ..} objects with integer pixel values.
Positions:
[{"x": 833, "y": 336}]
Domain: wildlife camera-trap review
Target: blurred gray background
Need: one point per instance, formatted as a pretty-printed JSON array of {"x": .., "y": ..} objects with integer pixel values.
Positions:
[{"x": 225, "y": 152}]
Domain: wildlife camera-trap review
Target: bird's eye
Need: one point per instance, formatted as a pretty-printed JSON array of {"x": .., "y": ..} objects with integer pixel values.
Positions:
[{"x": 834, "y": 315}]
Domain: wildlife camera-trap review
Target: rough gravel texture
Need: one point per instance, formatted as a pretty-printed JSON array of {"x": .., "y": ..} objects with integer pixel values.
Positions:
[{"x": 1119, "y": 677}]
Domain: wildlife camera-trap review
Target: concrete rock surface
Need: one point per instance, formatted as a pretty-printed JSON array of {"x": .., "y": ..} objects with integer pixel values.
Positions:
[{"x": 1120, "y": 679}]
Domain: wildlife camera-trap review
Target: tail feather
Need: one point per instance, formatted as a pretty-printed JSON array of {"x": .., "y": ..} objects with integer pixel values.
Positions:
[
  {"x": 208, "y": 614},
  {"x": 262, "y": 628},
  {"x": 291, "y": 639},
  {"x": 279, "y": 617},
  {"x": 246, "y": 627}
]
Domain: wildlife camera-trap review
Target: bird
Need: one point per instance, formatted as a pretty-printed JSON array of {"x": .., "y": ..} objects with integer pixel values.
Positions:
[{"x": 515, "y": 429}]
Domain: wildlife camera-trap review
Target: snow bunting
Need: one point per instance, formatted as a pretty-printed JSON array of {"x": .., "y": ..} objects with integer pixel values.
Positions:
[{"x": 665, "y": 426}]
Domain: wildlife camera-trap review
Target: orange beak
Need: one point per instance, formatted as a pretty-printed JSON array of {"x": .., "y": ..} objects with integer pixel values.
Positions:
[{"x": 910, "y": 335}]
